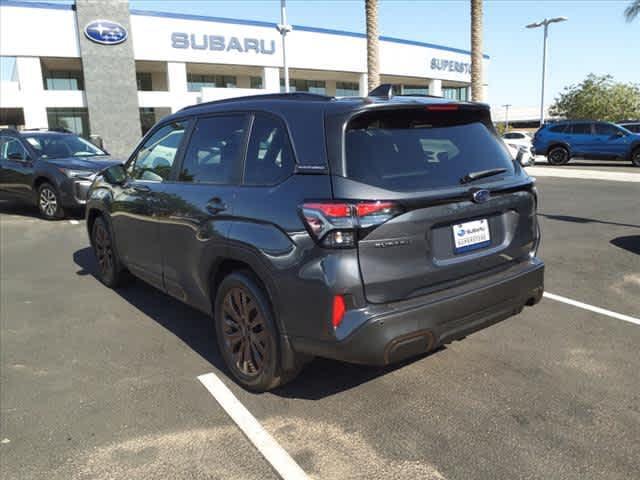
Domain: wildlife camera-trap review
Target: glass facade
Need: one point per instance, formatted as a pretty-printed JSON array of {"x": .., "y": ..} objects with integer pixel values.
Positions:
[
  {"x": 144, "y": 81},
  {"x": 256, "y": 82},
  {"x": 347, "y": 89},
  {"x": 456, "y": 93},
  {"x": 311, "y": 86},
  {"x": 63, "y": 80},
  {"x": 415, "y": 90},
  {"x": 196, "y": 81},
  {"x": 74, "y": 119}
]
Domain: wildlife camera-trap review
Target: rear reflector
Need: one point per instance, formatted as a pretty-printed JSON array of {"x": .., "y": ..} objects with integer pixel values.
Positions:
[
  {"x": 338, "y": 310},
  {"x": 442, "y": 108}
]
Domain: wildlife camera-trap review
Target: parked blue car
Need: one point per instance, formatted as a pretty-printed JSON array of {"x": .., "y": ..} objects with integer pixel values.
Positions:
[{"x": 562, "y": 141}]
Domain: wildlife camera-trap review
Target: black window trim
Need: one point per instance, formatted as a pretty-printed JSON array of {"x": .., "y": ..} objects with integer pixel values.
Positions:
[
  {"x": 238, "y": 169},
  {"x": 284, "y": 124}
]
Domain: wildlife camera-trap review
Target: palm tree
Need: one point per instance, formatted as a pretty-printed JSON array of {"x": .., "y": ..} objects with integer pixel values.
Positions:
[
  {"x": 476, "y": 50},
  {"x": 373, "y": 68},
  {"x": 632, "y": 11}
]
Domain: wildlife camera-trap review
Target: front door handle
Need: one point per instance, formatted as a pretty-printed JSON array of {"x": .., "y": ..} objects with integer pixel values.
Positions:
[
  {"x": 215, "y": 206},
  {"x": 141, "y": 188}
]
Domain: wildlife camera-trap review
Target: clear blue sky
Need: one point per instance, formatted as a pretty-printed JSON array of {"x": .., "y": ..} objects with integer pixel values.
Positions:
[{"x": 595, "y": 39}]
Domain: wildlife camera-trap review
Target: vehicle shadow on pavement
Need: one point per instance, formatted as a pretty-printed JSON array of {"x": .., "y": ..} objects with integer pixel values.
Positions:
[
  {"x": 569, "y": 218},
  {"x": 630, "y": 243},
  {"x": 320, "y": 378},
  {"x": 191, "y": 326}
]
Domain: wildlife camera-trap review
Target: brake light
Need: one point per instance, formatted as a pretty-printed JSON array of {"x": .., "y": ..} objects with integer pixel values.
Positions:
[
  {"x": 335, "y": 224},
  {"x": 339, "y": 309},
  {"x": 442, "y": 108}
]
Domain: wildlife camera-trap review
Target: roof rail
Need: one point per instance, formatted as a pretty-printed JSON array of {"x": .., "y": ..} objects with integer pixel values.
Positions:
[
  {"x": 265, "y": 96},
  {"x": 45, "y": 129}
]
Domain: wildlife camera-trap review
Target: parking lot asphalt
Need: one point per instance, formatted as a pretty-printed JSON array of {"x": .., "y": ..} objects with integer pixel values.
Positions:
[{"x": 103, "y": 384}]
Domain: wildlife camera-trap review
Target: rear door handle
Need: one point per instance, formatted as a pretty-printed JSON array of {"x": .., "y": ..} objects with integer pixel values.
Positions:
[{"x": 215, "y": 206}]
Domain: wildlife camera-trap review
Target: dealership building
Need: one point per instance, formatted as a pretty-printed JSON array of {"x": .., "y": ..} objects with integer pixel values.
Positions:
[{"x": 104, "y": 69}]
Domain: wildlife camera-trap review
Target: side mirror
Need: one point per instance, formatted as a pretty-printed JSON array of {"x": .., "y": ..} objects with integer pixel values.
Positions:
[
  {"x": 115, "y": 174},
  {"x": 519, "y": 156},
  {"x": 620, "y": 134}
]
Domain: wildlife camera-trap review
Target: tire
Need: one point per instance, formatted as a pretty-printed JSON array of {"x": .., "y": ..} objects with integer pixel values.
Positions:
[
  {"x": 110, "y": 270},
  {"x": 635, "y": 157},
  {"x": 558, "y": 156},
  {"x": 49, "y": 202},
  {"x": 247, "y": 335}
]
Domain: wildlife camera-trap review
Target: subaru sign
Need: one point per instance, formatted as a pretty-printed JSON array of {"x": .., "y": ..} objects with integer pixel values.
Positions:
[
  {"x": 105, "y": 32},
  {"x": 221, "y": 43}
]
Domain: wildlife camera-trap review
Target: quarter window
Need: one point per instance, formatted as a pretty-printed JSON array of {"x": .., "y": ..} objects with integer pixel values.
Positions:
[
  {"x": 155, "y": 159},
  {"x": 269, "y": 156},
  {"x": 214, "y": 150}
]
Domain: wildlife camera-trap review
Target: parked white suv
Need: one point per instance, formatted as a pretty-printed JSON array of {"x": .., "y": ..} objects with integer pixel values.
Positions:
[{"x": 518, "y": 140}]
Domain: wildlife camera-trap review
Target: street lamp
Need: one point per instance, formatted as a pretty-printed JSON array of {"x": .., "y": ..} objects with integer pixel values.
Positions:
[
  {"x": 284, "y": 28},
  {"x": 506, "y": 116},
  {"x": 545, "y": 23}
]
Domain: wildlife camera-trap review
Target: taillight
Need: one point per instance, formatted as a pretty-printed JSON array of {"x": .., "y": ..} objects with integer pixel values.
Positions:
[{"x": 335, "y": 224}]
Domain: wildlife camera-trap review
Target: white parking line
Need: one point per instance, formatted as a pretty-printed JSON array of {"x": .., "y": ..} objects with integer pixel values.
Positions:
[
  {"x": 280, "y": 460},
  {"x": 591, "y": 308},
  {"x": 565, "y": 172},
  {"x": 74, "y": 222}
]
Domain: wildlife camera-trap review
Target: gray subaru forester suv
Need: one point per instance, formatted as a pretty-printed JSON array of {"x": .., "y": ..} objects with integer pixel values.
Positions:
[{"x": 368, "y": 230}]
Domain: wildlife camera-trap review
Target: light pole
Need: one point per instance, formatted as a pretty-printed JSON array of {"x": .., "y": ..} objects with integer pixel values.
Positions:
[
  {"x": 284, "y": 28},
  {"x": 545, "y": 23},
  {"x": 506, "y": 116}
]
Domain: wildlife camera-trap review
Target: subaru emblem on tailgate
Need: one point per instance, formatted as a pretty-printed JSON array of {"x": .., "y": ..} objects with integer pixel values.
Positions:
[{"x": 481, "y": 196}]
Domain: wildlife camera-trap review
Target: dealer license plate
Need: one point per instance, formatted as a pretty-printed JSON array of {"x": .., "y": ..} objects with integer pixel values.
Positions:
[{"x": 471, "y": 235}]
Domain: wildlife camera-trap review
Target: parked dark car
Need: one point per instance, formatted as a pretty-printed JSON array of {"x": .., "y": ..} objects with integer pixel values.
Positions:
[
  {"x": 368, "y": 230},
  {"x": 631, "y": 125},
  {"x": 52, "y": 169},
  {"x": 562, "y": 141}
]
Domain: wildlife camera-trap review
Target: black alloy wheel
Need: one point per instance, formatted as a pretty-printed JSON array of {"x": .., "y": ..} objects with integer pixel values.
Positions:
[{"x": 558, "y": 156}]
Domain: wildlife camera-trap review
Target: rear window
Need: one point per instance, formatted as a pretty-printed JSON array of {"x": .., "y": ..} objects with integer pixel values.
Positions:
[{"x": 406, "y": 150}]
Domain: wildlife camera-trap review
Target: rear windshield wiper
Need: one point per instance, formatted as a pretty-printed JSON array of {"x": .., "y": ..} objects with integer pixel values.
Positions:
[{"x": 470, "y": 177}]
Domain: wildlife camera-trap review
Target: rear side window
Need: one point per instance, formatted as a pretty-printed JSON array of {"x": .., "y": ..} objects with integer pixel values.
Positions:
[
  {"x": 269, "y": 156},
  {"x": 213, "y": 153},
  {"x": 581, "y": 129},
  {"x": 411, "y": 150}
]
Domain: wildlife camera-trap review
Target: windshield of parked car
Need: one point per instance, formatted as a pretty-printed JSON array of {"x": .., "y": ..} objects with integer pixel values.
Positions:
[
  {"x": 62, "y": 145},
  {"x": 415, "y": 150}
]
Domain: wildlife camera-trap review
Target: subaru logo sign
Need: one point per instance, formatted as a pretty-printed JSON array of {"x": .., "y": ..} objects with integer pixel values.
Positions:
[
  {"x": 481, "y": 196},
  {"x": 105, "y": 32}
]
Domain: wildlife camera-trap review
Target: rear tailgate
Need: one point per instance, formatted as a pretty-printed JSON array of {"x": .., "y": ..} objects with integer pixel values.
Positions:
[{"x": 442, "y": 237}]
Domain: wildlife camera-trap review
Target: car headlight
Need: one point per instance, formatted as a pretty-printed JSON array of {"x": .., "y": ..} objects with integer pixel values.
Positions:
[{"x": 79, "y": 174}]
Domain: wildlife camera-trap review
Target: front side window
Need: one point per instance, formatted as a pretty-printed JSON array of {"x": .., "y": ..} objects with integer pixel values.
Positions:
[
  {"x": 154, "y": 160},
  {"x": 269, "y": 156},
  {"x": 213, "y": 154},
  {"x": 61, "y": 145},
  {"x": 606, "y": 129},
  {"x": 12, "y": 149},
  {"x": 413, "y": 150}
]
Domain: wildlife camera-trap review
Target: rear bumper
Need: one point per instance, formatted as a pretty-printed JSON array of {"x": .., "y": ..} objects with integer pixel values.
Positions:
[{"x": 396, "y": 331}]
